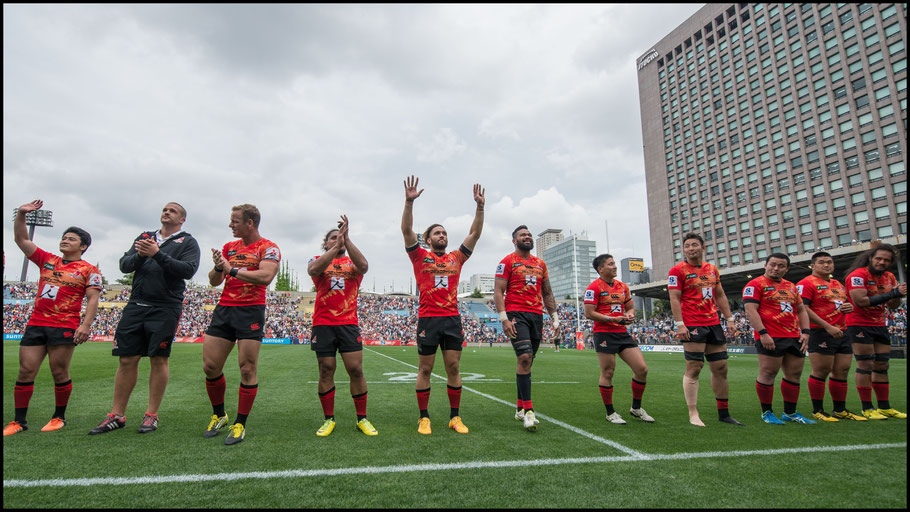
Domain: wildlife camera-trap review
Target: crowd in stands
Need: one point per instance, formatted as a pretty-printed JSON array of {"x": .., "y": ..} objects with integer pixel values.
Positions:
[{"x": 381, "y": 317}]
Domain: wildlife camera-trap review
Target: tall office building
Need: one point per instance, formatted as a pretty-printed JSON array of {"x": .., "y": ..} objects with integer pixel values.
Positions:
[
  {"x": 546, "y": 239},
  {"x": 486, "y": 283},
  {"x": 569, "y": 261},
  {"x": 633, "y": 271},
  {"x": 776, "y": 127}
]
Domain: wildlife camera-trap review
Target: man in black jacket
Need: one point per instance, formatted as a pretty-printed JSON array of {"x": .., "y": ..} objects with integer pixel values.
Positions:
[{"x": 162, "y": 261}]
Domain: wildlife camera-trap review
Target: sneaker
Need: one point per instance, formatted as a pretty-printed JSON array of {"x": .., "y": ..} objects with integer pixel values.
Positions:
[
  {"x": 531, "y": 421},
  {"x": 235, "y": 434},
  {"x": 15, "y": 427},
  {"x": 54, "y": 424},
  {"x": 847, "y": 415},
  {"x": 873, "y": 414},
  {"x": 519, "y": 414},
  {"x": 642, "y": 415},
  {"x": 769, "y": 418},
  {"x": 616, "y": 419},
  {"x": 111, "y": 422},
  {"x": 797, "y": 418},
  {"x": 892, "y": 413},
  {"x": 326, "y": 428},
  {"x": 215, "y": 425},
  {"x": 731, "y": 420},
  {"x": 149, "y": 424},
  {"x": 457, "y": 425},
  {"x": 366, "y": 427},
  {"x": 823, "y": 416},
  {"x": 423, "y": 426}
]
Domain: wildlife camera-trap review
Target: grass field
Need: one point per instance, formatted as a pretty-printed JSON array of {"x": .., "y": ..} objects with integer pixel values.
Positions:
[{"x": 576, "y": 459}]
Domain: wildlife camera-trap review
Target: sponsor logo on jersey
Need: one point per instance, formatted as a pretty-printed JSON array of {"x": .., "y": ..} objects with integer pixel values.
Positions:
[
  {"x": 500, "y": 268},
  {"x": 672, "y": 281},
  {"x": 49, "y": 266},
  {"x": 178, "y": 241},
  {"x": 254, "y": 327},
  {"x": 822, "y": 287},
  {"x": 691, "y": 276},
  {"x": 823, "y": 344},
  {"x": 799, "y": 289},
  {"x": 163, "y": 344},
  {"x": 423, "y": 334},
  {"x": 67, "y": 334},
  {"x": 768, "y": 288},
  {"x": 94, "y": 280},
  {"x": 860, "y": 335},
  {"x": 231, "y": 253},
  {"x": 428, "y": 260},
  {"x": 589, "y": 295},
  {"x": 271, "y": 254},
  {"x": 749, "y": 291},
  {"x": 856, "y": 281}
]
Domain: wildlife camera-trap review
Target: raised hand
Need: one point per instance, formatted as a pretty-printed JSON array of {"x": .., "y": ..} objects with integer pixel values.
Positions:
[
  {"x": 410, "y": 189},
  {"x": 478, "y": 195},
  {"x": 32, "y": 206}
]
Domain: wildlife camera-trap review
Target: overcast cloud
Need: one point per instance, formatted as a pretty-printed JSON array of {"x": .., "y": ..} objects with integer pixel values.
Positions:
[{"x": 310, "y": 111}]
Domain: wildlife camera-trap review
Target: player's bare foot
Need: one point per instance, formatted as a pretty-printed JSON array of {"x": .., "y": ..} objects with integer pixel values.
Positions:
[{"x": 695, "y": 420}]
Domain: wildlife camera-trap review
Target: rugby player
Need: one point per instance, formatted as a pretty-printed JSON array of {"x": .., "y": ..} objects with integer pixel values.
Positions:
[
  {"x": 162, "y": 261},
  {"x": 337, "y": 274},
  {"x": 871, "y": 287},
  {"x": 246, "y": 267},
  {"x": 522, "y": 288},
  {"x": 695, "y": 296},
  {"x": 829, "y": 351},
  {"x": 608, "y": 303},
  {"x": 54, "y": 329},
  {"x": 438, "y": 320},
  {"x": 781, "y": 326}
]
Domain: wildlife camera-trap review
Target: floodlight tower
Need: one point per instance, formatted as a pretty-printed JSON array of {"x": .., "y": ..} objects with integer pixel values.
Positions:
[{"x": 42, "y": 218}]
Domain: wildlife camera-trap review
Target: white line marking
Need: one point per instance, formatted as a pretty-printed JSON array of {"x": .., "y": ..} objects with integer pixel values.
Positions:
[
  {"x": 614, "y": 444},
  {"x": 302, "y": 473},
  {"x": 440, "y": 381}
]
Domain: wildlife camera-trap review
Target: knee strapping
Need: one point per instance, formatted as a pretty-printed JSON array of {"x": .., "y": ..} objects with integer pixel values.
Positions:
[
  {"x": 861, "y": 371},
  {"x": 865, "y": 357},
  {"x": 695, "y": 356},
  {"x": 717, "y": 356}
]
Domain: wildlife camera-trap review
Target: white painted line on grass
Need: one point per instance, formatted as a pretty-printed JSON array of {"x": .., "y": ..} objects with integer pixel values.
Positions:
[
  {"x": 303, "y": 473},
  {"x": 614, "y": 444},
  {"x": 440, "y": 381}
]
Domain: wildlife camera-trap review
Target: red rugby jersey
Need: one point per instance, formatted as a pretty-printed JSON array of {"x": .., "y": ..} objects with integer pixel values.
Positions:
[
  {"x": 61, "y": 289},
  {"x": 697, "y": 285},
  {"x": 825, "y": 299},
  {"x": 524, "y": 278},
  {"x": 610, "y": 300},
  {"x": 437, "y": 279},
  {"x": 874, "y": 285},
  {"x": 777, "y": 304},
  {"x": 336, "y": 293},
  {"x": 246, "y": 257}
]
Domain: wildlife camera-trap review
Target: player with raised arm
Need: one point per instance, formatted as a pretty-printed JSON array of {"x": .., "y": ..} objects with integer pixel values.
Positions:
[
  {"x": 438, "y": 320},
  {"x": 829, "y": 350},
  {"x": 337, "y": 274},
  {"x": 781, "y": 327},
  {"x": 871, "y": 287},
  {"x": 162, "y": 261},
  {"x": 54, "y": 329},
  {"x": 246, "y": 267},
  {"x": 522, "y": 289},
  {"x": 608, "y": 303},
  {"x": 695, "y": 296}
]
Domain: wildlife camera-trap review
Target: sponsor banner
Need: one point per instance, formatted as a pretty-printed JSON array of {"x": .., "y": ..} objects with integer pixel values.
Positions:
[
  {"x": 636, "y": 265},
  {"x": 108, "y": 339},
  {"x": 17, "y": 301},
  {"x": 12, "y": 336},
  {"x": 392, "y": 343},
  {"x": 188, "y": 339},
  {"x": 399, "y": 312},
  {"x": 276, "y": 341},
  {"x": 661, "y": 348},
  {"x": 112, "y": 305}
]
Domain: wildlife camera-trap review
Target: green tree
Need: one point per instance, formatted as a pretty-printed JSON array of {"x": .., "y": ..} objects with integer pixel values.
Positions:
[
  {"x": 661, "y": 307},
  {"x": 476, "y": 294},
  {"x": 286, "y": 280},
  {"x": 126, "y": 280}
]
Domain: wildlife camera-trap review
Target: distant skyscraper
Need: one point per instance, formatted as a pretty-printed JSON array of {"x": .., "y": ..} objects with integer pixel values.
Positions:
[
  {"x": 546, "y": 239},
  {"x": 775, "y": 127},
  {"x": 563, "y": 264}
]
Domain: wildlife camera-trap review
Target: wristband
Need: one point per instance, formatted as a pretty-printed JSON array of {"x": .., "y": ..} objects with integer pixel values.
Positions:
[
  {"x": 805, "y": 331},
  {"x": 216, "y": 269},
  {"x": 554, "y": 317},
  {"x": 233, "y": 272},
  {"x": 730, "y": 318},
  {"x": 503, "y": 316},
  {"x": 763, "y": 332},
  {"x": 680, "y": 324}
]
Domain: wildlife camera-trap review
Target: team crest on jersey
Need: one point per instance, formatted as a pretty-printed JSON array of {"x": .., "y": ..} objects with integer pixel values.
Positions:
[
  {"x": 860, "y": 335},
  {"x": 707, "y": 293},
  {"x": 530, "y": 280},
  {"x": 271, "y": 254},
  {"x": 823, "y": 344},
  {"x": 254, "y": 327},
  {"x": 603, "y": 344},
  {"x": 178, "y": 241},
  {"x": 163, "y": 344},
  {"x": 67, "y": 334},
  {"x": 672, "y": 281},
  {"x": 94, "y": 280},
  {"x": 616, "y": 308},
  {"x": 856, "y": 281},
  {"x": 786, "y": 307},
  {"x": 423, "y": 334}
]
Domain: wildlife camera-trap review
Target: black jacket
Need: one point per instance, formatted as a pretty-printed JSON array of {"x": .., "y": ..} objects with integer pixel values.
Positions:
[{"x": 160, "y": 280}]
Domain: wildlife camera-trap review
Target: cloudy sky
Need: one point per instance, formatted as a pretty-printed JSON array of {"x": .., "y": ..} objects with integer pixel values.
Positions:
[{"x": 310, "y": 111}]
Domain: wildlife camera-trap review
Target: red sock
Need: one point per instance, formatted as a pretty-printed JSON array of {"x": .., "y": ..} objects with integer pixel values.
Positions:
[
  {"x": 423, "y": 398},
  {"x": 360, "y": 404},
  {"x": 638, "y": 389},
  {"x": 838, "y": 390},
  {"x": 722, "y": 403},
  {"x": 62, "y": 393},
  {"x": 765, "y": 393},
  {"x": 216, "y": 389},
  {"x": 328, "y": 402},
  {"x": 454, "y": 396},
  {"x": 881, "y": 391},
  {"x": 519, "y": 403},
  {"x": 528, "y": 405},
  {"x": 816, "y": 388},
  {"x": 245, "y": 401},
  {"x": 22, "y": 394},
  {"x": 606, "y": 393},
  {"x": 789, "y": 391},
  {"x": 865, "y": 394}
]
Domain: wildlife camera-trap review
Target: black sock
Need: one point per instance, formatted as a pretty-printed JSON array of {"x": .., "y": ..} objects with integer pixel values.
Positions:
[
  {"x": 789, "y": 407},
  {"x": 60, "y": 412},
  {"x": 218, "y": 410},
  {"x": 241, "y": 418},
  {"x": 524, "y": 387},
  {"x": 723, "y": 413}
]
